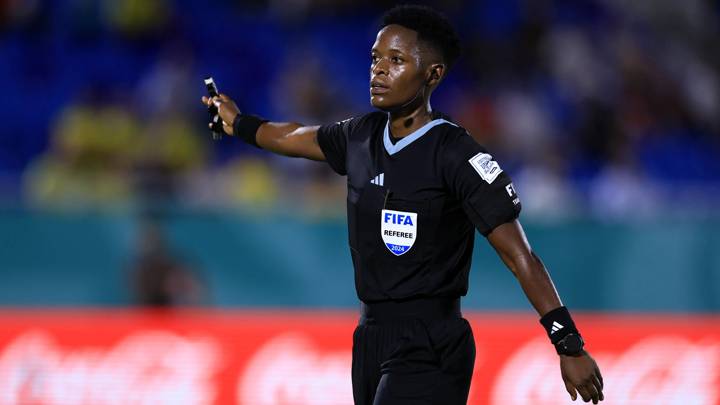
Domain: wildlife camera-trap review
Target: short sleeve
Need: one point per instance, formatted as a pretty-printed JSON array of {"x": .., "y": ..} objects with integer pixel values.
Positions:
[
  {"x": 477, "y": 180},
  {"x": 333, "y": 142}
]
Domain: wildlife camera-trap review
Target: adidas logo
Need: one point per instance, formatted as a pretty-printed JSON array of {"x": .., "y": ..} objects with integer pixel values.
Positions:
[
  {"x": 379, "y": 180},
  {"x": 555, "y": 327}
]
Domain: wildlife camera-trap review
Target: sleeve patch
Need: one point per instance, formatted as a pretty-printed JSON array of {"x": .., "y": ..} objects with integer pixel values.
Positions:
[{"x": 486, "y": 167}]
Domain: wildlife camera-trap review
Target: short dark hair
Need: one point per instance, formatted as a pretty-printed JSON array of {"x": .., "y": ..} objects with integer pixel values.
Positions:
[{"x": 432, "y": 27}]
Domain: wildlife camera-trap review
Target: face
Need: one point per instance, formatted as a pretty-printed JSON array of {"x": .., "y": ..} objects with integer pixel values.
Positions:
[{"x": 396, "y": 72}]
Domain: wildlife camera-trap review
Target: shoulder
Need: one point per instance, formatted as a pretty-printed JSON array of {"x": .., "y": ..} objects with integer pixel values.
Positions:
[
  {"x": 364, "y": 126},
  {"x": 448, "y": 130},
  {"x": 371, "y": 119},
  {"x": 454, "y": 138},
  {"x": 457, "y": 147},
  {"x": 364, "y": 119},
  {"x": 359, "y": 124}
]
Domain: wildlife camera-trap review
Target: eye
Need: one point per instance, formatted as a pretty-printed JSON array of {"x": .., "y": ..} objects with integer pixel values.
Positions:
[
  {"x": 396, "y": 59},
  {"x": 374, "y": 58}
]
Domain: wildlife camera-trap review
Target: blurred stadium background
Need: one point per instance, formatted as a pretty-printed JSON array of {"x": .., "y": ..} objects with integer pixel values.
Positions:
[{"x": 206, "y": 272}]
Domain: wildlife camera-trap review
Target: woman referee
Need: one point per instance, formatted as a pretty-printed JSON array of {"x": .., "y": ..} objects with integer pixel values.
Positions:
[{"x": 418, "y": 187}]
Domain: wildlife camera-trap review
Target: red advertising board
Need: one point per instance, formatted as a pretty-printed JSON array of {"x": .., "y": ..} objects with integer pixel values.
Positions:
[{"x": 281, "y": 358}]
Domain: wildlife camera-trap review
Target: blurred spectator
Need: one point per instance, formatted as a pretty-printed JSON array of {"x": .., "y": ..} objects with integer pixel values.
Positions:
[
  {"x": 159, "y": 277},
  {"x": 544, "y": 192},
  {"x": 137, "y": 19},
  {"x": 103, "y": 156},
  {"x": 574, "y": 96},
  {"x": 87, "y": 163},
  {"x": 305, "y": 92},
  {"x": 14, "y": 13},
  {"x": 164, "y": 89},
  {"x": 620, "y": 191},
  {"x": 250, "y": 183},
  {"x": 169, "y": 151}
]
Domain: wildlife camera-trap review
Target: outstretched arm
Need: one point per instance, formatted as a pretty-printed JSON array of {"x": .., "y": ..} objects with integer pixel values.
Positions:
[
  {"x": 579, "y": 372},
  {"x": 283, "y": 138}
]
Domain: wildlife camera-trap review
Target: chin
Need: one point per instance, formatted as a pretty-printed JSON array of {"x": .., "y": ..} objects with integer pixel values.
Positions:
[{"x": 381, "y": 103}]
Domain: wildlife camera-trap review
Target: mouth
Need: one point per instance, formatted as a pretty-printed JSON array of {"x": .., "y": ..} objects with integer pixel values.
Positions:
[{"x": 377, "y": 87}]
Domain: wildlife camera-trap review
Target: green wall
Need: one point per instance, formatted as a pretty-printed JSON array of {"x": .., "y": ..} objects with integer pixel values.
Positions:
[{"x": 64, "y": 259}]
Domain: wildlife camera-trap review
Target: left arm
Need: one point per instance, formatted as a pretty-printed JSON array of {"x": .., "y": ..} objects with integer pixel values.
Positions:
[
  {"x": 491, "y": 204},
  {"x": 512, "y": 246},
  {"x": 579, "y": 372}
]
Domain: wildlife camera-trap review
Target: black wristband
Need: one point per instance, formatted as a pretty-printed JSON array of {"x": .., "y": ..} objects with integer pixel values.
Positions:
[
  {"x": 571, "y": 345},
  {"x": 246, "y": 126},
  {"x": 558, "y": 324}
]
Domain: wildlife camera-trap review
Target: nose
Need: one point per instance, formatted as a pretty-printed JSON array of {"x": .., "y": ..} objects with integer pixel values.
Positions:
[{"x": 379, "y": 67}]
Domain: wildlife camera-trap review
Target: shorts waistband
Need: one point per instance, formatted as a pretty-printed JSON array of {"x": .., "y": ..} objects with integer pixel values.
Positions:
[{"x": 420, "y": 308}]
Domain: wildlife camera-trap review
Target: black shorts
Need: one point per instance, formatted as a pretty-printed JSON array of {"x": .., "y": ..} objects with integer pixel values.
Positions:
[{"x": 417, "y": 352}]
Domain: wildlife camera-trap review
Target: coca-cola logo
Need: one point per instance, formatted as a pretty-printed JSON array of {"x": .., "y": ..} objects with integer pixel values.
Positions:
[
  {"x": 150, "y": 367},
  {"x": 291, "y": 370},
  {"x": 659, "y": 370}
]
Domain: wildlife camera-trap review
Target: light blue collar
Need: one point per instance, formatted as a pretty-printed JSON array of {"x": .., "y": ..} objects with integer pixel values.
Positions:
[{"x": 397, "y": 147}]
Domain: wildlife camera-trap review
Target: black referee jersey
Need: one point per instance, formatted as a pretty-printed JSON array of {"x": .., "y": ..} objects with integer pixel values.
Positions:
[{"x": 413, "y": 202}]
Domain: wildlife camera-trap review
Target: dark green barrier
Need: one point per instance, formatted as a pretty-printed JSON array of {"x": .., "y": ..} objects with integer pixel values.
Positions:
[{"x": 50, "y": 259}]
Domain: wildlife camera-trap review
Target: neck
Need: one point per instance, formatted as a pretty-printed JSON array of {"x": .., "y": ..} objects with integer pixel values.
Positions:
[{"x": 407, "y": 120}]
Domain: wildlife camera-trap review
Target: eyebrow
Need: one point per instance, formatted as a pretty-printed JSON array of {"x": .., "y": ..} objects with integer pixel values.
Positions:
[{"x": 391, "y": 50}]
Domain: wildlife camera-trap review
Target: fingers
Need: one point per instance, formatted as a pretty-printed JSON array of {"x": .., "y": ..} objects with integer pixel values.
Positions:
[
  {"x": 599, "y": 386},
  {"x": 211, "y": 101},
  {"x": 593, "y": 391},
  {"x": 220, "y": 126},
  {"x": 216, "y": 101},
  {"x": 224, "y": 97},
  {"x": 584, "y": 393},
  {"x": 571, "y": 390},
  {"x": 599, "y": 376},
  {"x": 589, "y": 391}
]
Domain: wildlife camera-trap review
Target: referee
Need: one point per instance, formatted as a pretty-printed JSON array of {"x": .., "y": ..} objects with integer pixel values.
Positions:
[{"x": 418, "y": 187}]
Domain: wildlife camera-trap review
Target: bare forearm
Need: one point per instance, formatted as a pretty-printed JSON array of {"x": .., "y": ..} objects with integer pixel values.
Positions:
[
  {"x": 514, "y": 249},
  {"x": 579, "y": 371},
  {"x": 272, "y": 136},
  {"x": 536, "y": 283},
  {"x": 290, "y": 139},
  {"x": 283, "y": 138}
]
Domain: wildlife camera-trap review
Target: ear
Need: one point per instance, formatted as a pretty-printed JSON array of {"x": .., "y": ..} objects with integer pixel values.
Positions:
[{"x": 436, "y": 71}]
